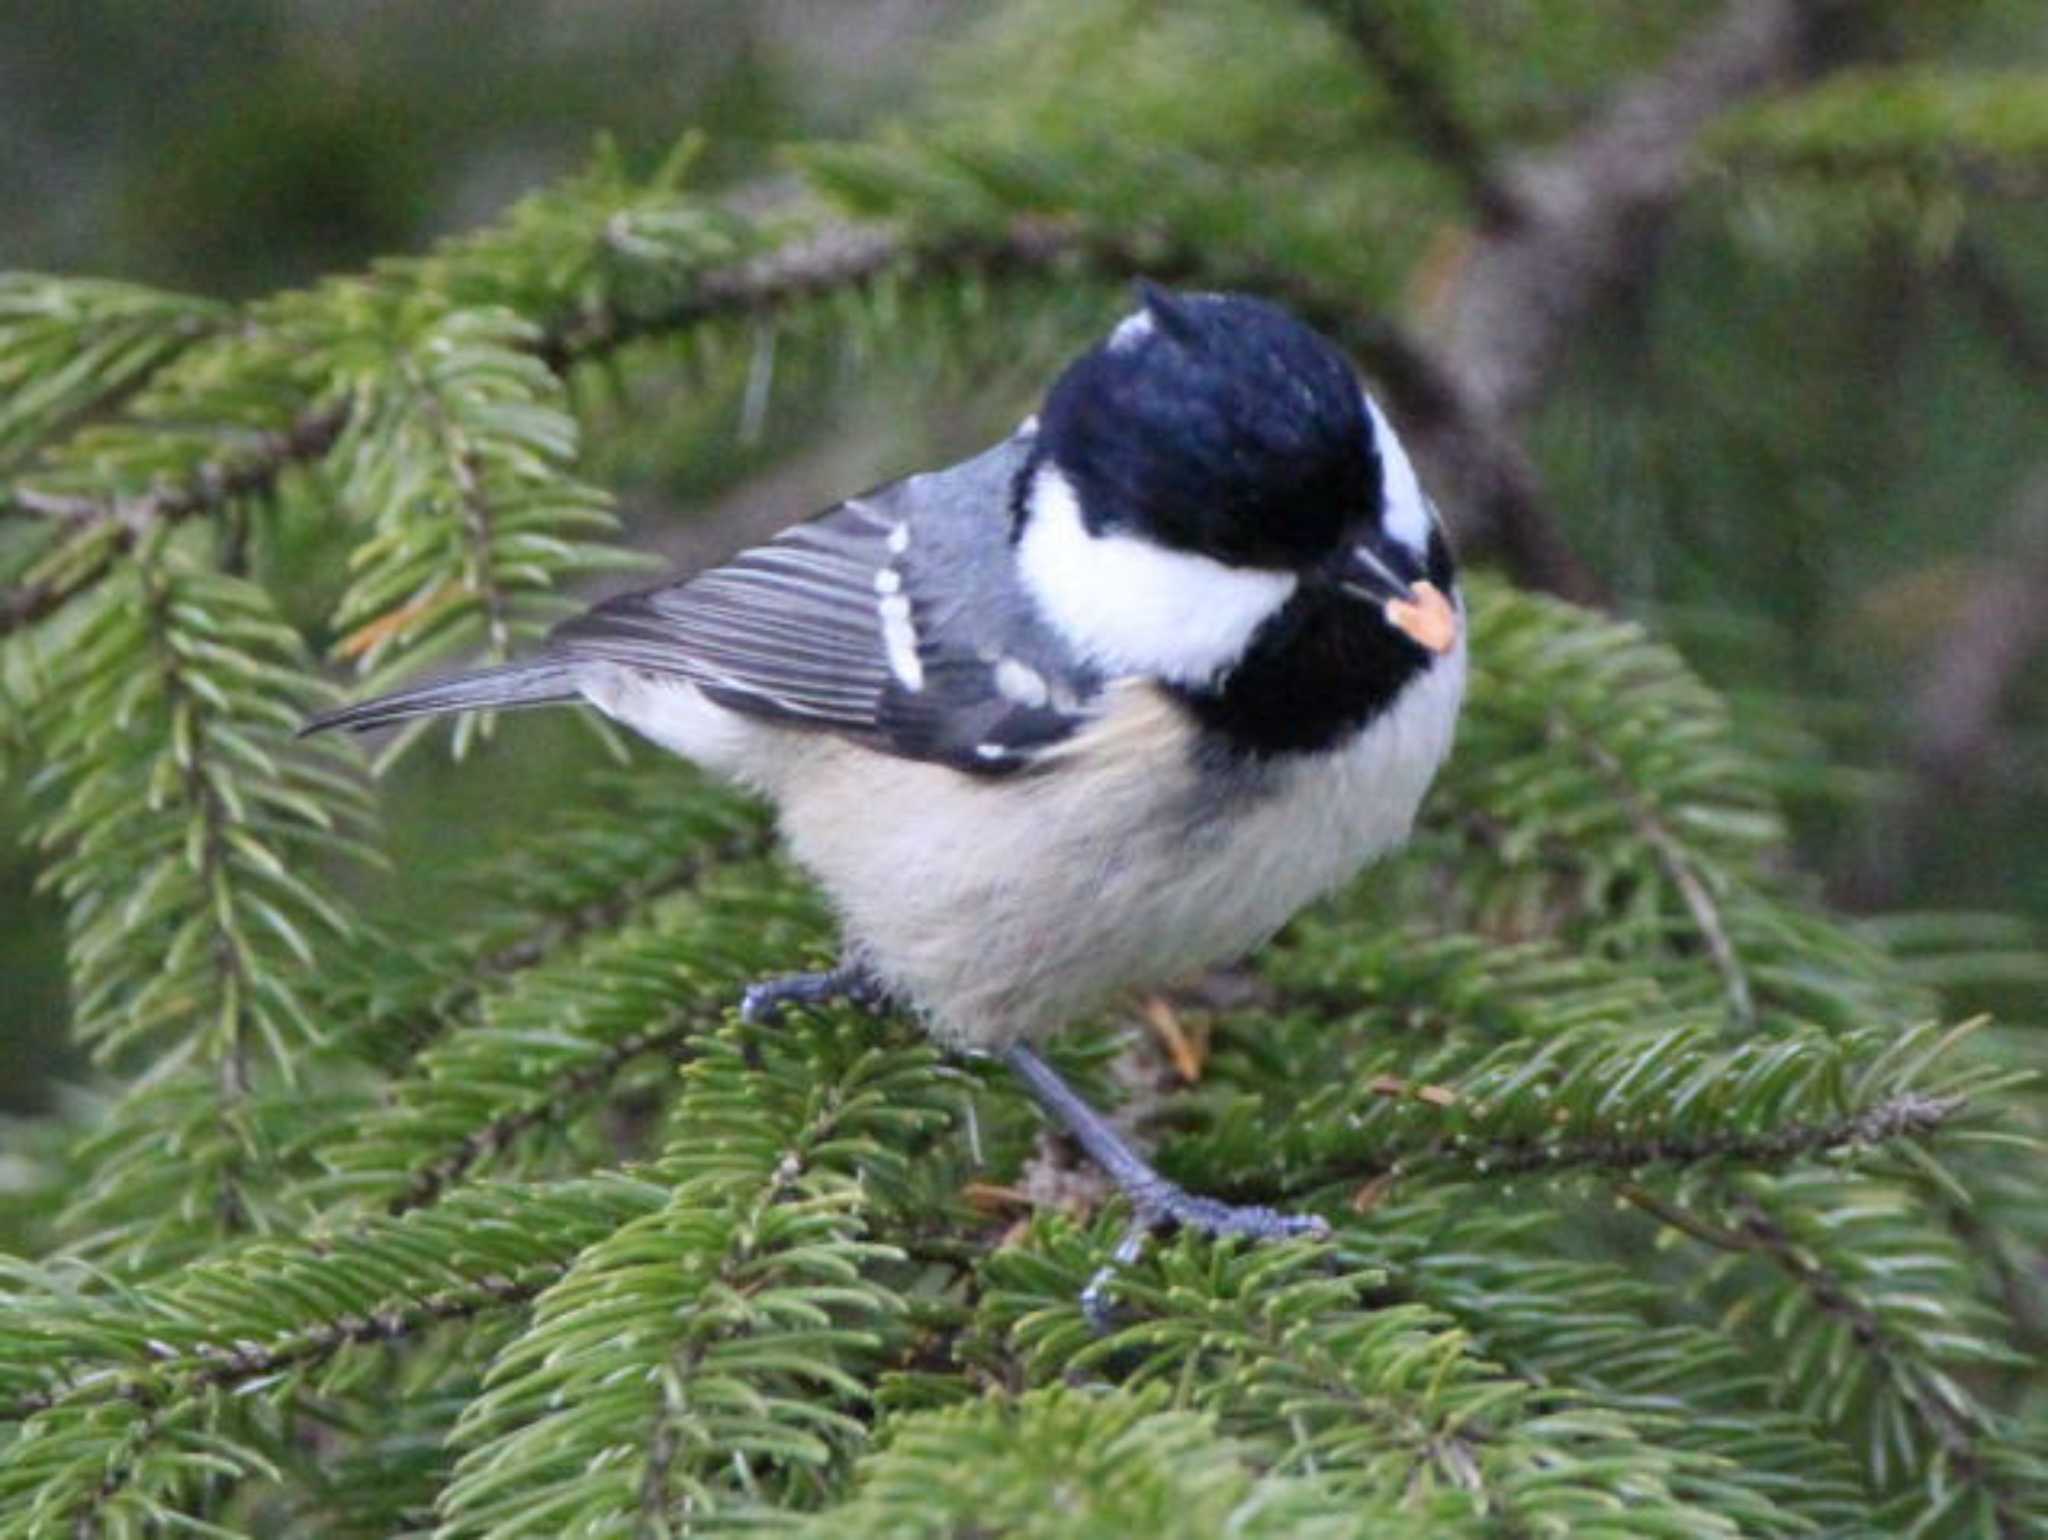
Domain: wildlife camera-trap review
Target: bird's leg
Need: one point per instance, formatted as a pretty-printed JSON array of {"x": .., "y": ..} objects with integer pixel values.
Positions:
[
  {"x": 1160, "y": 1204},
  {"x": 766, "y": 1000}
]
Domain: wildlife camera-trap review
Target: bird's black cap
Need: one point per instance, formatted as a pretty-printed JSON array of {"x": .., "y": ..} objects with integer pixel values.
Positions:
[{"x": 1216, "y": 424}]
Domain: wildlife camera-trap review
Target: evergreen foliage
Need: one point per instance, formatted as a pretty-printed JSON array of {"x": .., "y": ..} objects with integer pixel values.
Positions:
[{"x": 1664, "y": 1200}]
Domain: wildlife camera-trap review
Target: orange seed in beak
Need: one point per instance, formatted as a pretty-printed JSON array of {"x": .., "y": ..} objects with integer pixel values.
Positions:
[{"x": 1429, "y": 618}]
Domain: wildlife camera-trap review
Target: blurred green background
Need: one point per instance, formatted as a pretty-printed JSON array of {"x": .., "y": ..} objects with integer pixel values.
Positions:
[{"x": 1819, "y": 464}]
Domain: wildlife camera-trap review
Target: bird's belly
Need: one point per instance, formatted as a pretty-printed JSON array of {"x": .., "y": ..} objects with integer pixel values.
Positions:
[{"x": 1003, "y": 909}]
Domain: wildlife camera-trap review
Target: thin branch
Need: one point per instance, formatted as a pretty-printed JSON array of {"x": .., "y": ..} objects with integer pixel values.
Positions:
[
  {"x": 1677, "y": 866},
  {"x": 549, "y": 937},
  {"x": 1907, "y": 1116},
  {"x": 1584, "y": 219},
  {"x": 664, "y": 1442},
  {"x": 1575, "y": 227},
  {"x": 430, "y": 1181},
  {"x": 1956, "y": 1431},
  {"x": 1955, "y": 711},
  {"x": 30, "y": 603},
  {"x": 252, "y": 468},
  {"x": 1910, "y": 1115},
  {"x": 1431, "y": 117},
  {"x": 1501, "y": 488},
  {"x": 223, "y": 1365}
]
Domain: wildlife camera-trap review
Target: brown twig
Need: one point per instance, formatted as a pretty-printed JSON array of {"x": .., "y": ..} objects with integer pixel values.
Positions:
[
  {"x": 1593, "y": 205},
  {"x": 1586, "y": 216},
  {"x": 252, "y": 468}
]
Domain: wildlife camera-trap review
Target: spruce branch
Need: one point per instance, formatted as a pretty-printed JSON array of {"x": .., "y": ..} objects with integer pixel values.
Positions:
[
  {"x": 72, "y": 349},
  {"x": 248, "y": 466},
  {"x": 176, "y": 1373},
  {"x": 539, "y": 1052},
  {"x": 594, "y": 872},
  {"x": 565, "y": 1093},
  {"x": 1679, "y": 868},
  {"x": 1519, "y": 1281},
  {"x": 1339, "y": 1376},
  {"x": 133, "y": 1399},
  {"x": 1908, "y": 1115},
  {"x": 111, "y": 524},
  {"x": 1957, "y": 1425},
  {"x": 704, "y": 1357},
  {"x": 1064, "y": 1461},
  {"x": 186, "y": 830}
]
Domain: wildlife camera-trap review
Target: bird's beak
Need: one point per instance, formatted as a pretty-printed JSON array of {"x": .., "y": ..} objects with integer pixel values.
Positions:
[{"x": 1418, "y": 610}]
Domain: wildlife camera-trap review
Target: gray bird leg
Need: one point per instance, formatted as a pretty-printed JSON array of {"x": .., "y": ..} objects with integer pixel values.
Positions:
[
  {"x": 1160, "y": 1204},
  {"x": 766, "y": 1000}
]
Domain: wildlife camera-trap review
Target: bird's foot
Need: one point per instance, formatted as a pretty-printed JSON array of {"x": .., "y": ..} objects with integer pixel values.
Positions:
[
  {"x": 1166, "y": 1206},
  {"x": 765, "y": 1000},
  {"x": 1159, "y": 1203}
]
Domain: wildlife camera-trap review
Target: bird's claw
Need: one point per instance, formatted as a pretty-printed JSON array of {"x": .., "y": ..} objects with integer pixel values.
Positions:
[
  {"x": 763, "y": 1002},
  {"x": 1169, "y": 1207}
]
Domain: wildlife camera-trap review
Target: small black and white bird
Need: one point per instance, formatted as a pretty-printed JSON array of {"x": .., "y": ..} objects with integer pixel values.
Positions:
[{"x": 1104, "y": 704}]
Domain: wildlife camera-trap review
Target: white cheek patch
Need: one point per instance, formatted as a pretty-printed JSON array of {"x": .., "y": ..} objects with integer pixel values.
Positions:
[
  {"x": 1132, "y": 607},
  {"x": 1407, "y": 512}
]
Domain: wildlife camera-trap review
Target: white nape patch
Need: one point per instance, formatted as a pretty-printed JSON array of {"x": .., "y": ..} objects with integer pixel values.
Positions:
[
  {"x": 1407, "y": 516},
  {"x": 899, "y": 637},
  {"x": 1020, "y": 682},
  {"x": 1028, "y": 428},
  {"x": 1132, "y": 607},
  {"x": 1131, "y": 330}
]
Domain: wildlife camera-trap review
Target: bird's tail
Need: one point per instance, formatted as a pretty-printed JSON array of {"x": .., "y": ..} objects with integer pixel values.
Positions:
[{"x": 535, "y": 682}]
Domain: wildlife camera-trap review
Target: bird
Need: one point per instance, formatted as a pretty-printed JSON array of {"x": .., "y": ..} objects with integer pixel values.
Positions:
[{"x": 1091, "y": 710}]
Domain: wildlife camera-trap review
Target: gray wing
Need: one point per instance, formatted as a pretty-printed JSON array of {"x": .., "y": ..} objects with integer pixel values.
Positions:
[{"x": 895, "y": 619}]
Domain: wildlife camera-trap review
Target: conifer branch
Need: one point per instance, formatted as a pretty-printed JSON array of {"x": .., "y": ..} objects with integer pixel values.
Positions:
[
  {"x": 576, "y": 1085},
  {"x": 1908, "y": 1115},
  {"x": 177, "y": 1373},
  {"x": 1958, "y": 1431},
  {"x": 554, "y": 930},
  {"x": 1679, "y": 868},
  {"x": 248, "y": 468},
  {"x": 251, "y": 468}
]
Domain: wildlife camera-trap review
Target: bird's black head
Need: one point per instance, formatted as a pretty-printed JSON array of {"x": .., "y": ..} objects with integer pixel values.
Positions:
[{"x": 1218, "y": 425}]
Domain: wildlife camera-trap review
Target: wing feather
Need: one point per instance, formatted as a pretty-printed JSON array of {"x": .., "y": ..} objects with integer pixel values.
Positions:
[{"x": 814, "y": 627}]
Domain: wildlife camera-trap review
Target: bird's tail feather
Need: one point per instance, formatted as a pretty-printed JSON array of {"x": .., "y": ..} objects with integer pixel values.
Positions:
[{"x": 535, "y": 682}]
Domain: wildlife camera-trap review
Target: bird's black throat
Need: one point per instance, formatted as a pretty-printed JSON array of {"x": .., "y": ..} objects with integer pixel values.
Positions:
[{"x": 1321, "y": 669}]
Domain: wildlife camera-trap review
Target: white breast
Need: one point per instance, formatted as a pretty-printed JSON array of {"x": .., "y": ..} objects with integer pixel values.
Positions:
[{"x": 1005, "y": 909}]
